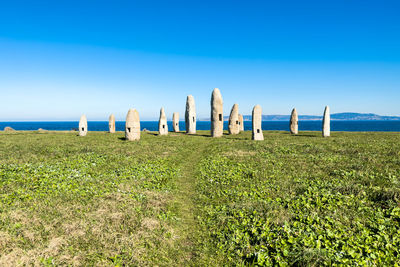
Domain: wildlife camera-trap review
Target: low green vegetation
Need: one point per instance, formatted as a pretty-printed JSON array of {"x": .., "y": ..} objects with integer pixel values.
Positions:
[{"x": 195, "y": 200}]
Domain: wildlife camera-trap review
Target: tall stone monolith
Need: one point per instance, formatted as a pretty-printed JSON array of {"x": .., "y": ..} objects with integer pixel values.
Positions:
[
  {"x": 111, "y": 124},
  {"x": 241, "y": 123},
  {"x": 162, "y": 123},
  {"x": 83, "y": 128},
  {"x": 190, "y": 115},
  {"x": 294, "y": 122},
  {"x": 257, "y": 119},
  {"x": 233, "y": 126},
  {"x": 326, "y": 123},
  {"x": 175, "y": 121},
  {"x": 217, "y": 119},
  {"x": 132, "y": 125}
]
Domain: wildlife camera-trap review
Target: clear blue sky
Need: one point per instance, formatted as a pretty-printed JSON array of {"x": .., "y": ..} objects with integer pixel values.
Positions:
[{"x": 60, "y": 59}]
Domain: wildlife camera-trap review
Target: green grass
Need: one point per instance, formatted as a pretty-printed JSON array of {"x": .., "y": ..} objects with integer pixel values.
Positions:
[{"x": 194, "y": 200}]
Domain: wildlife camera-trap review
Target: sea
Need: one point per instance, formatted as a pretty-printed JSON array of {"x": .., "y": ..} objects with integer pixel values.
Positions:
[{"x": 342, "y": 126}]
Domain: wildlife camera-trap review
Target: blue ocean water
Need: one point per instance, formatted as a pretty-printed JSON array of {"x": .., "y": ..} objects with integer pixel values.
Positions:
[{"x": 347, "y": 126}]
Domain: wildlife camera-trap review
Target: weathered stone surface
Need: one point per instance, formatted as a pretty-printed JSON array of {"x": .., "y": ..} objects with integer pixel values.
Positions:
[
  {"x": 294, "y": 122},
  {"x": 175, "y": 121},
  {"x": 241, "y": 123},
  {"x": 162, "y": 123},
  {"x": 257, "y": 130},
  {"x": 111, "y": 124},
  {"x": 217, "y": 119},
  {"x": 8, "y": 129},
  {"x": 233, "y": 126},
  {"x": 83, "y": 128},
  {"x": 326, "y": 123},
  {"x": 132, "y": 125},
  {"x": 190, "y": 115}
]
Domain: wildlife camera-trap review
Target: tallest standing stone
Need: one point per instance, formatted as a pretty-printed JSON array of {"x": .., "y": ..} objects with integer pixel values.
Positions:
[
  {"x": 190, "y": 115},
  {"x": 217, "y": 121}
]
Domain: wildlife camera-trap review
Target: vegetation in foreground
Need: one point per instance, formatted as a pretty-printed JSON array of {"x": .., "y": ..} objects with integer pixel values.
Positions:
[{"x": 195, "y": 200}]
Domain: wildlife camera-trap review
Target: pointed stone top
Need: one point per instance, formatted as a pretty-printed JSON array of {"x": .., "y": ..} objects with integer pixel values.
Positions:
[
  {"x": 162, "y": 114},
  {"x": 83, "y": 118},
  {"x": 294, "y": 111},
  {"x": 216, "y": 92},
  {"x": 326, "y": 111},
  {"x": 112, "y": 117},
  {"x": 132, "y": 115},
  {"x": 189, "y": 100},
  {"x": 257, "y": 107},
  {"x": 216, "y": 96}
]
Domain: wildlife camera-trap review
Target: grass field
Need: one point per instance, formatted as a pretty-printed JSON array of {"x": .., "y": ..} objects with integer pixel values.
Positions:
[{"x": 193, "y": 200}]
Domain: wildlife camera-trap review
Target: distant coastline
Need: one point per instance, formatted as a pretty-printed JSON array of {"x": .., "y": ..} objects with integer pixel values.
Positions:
[{"x": 344, "y": 116}]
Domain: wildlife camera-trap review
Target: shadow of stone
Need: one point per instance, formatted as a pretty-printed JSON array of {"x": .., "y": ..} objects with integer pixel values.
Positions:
[
  {"x": 304, "y": 135},
  {"x": 155, "y": 134}
]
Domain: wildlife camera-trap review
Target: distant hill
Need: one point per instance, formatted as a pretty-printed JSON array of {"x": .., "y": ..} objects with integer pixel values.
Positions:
[{"x": 345, "y": 116}]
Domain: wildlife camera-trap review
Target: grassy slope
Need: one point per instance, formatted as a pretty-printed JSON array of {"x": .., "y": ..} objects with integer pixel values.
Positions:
[{"x": 178, "y": 200}]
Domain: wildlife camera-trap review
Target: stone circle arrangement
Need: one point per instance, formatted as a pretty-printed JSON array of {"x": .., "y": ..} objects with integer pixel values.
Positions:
[{"x": 235, "y": 123}]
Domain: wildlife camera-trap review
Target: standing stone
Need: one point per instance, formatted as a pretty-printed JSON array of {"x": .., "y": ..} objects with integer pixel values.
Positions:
[
  {"x": 233, "y": 126},
  {"x": 190, "y": 115},
  {"x": 83, "y": 126},
  {"x": 217, "y": 120},
  {"x": 326, "y": 123},
  {"x": 294, "y": 122},
  {"x": 175, "y": 121},
  {"x": 111, "y": 124},
  {"x": 257, "y": 130},
  {"x": 241, "y": 123},
  {"x": 162, "y": 123},
  {"x": 132, "y": 125}
]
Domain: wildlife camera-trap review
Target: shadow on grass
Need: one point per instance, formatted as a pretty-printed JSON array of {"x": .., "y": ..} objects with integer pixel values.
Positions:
[
  {"x": 304, "y": 135},
  {"x": 152, "y": 133}
]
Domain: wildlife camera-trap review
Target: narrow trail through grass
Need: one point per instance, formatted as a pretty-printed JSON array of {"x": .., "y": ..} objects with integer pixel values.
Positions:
[{"x": 188, "y": 231}]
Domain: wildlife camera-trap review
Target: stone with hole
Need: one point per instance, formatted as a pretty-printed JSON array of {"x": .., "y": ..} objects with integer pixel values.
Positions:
[
  {"x": 132, "y": 125},
  {"x": 83, "y": 127},
  {"x": 257, "y": 119},
  {"x": 217, "y": 119},
  {"x": 175, "y": 121},
  {"x": 233, "y": 125},
  {"x": 241, "y": 123},
  {"x": 190, "y": 115},
  {"x": 162, "y": 123}
]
